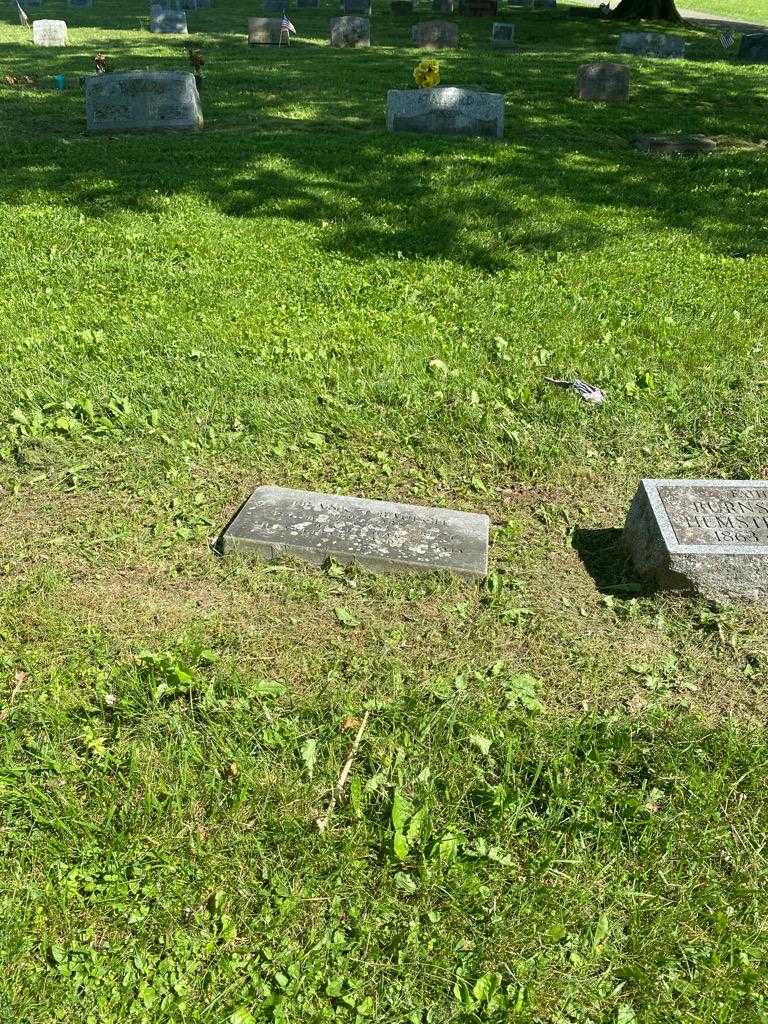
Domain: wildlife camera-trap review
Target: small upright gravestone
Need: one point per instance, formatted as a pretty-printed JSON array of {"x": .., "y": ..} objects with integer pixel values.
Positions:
[
  {"x": 603, "y": 82},
  {"x": 651, "y": 44},
  {"x": 435, "y": 35},
  {"x": 445, "y": 110},
  {"x": 442, "y": 6},
  {"x": 49, "y": 33},
  {"x": 502, "y": 36},
  {"x": 142, "y": 101},
  {"x": 362, "y": 7},
  {"x": 380, "y": 534},
  {"x": 754, "y": 48},
  {"x": 350, "y": 31},
  {"x": 167, "y": 22},
  {"x": 264, "y": 31},
  {"x": 705, "y": 535}
]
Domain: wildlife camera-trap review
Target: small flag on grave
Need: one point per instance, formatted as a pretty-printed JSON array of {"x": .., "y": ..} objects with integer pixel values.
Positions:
[{"x": 727, "y": 39}]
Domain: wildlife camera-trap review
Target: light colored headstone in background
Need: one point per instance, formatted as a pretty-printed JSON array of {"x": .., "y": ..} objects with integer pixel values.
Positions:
[
  {"x": 141, "y": 101},
  {"x": 651, "y": 44},
  {"x": 446, "y": 110},
  {"x": 435, "y": 35},
  {"x": 263, "y": 31},
  {"x": 686, "y": 145},
  {"x": 362, "y": 7},
  {"x": 603, "y": 82},
  {"x": 350, "y": 31},
  {"x": 753, "y": 48},
  {"x": 380, "y": 534},
  {"x": 47, "y": 32},
  {"x": 502, "y": 36},
  {"x": 167, "y": 22},
  {"x": 704, "y": 535}
]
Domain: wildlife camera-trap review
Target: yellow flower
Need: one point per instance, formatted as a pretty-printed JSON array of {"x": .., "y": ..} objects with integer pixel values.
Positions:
[{"x": 427, "y": 74}]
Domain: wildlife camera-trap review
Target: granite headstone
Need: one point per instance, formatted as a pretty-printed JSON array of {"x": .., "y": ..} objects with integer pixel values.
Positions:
[
  {"x": 167, "y": 22},
  {"x": 502, "y": 36},
  {"x": 665, "y": 145},
  {"x": 47, "y": 32},
  {"x": 446, "y": 110},
  {"x": 603, "y": 82},
  {"x": 710, "y": 536},
  {"x": 142, "y": 101},
  {"x": 264, "y": 31},
  {"x": 350, "y": 31},
  {"x": 435, "y": 35},
  {"x": 652, "y": 44},
  {"x": 379, "y": 534},
  {"x": 753, "y": 48}
]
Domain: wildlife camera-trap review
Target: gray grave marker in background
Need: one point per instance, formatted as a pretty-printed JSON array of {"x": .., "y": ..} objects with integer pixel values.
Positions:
[
  {"x": 603, "y": 82},
  {"x": 705, "y": 535},
  {"x": 651, "y": 44},
  {"x": 47, "y": 32},
  {"x": 350, "y": 31},
  {"x": 753, "y": 48},
  {"x": 264, "y": 31},
  {"x": 379, "y": 534},
  {"x": 446, "y": 110},
  {"x": 362, "y": 7},
  {"x": 502, "y": 36},
  {"x": 167, "y": 22},
  {"x": 435, "y": 35},
  {"x": 141, "y": 101}
]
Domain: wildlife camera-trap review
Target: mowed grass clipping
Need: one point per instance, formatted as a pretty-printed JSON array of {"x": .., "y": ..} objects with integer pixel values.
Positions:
[{"x": 557, "y": 811}]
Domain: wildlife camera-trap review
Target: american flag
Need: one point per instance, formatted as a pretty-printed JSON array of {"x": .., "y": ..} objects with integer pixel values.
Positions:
[
  {"x": 286, "y": 25},
  {"x": 727, "y": 39},
  {"x": 22, "y": 14},
  {"x": 589, "y": 393}
]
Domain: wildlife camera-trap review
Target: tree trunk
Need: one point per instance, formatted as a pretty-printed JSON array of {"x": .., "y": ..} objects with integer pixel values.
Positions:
[{"x": 651, "y": 10}]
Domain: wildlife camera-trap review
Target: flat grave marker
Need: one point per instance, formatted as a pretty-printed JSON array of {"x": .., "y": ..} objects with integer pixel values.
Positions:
[
  {"x": 652, "y": 44},
  {"x": 142, "y": 101},
  {"x": 379, "y": 534},
  {"x": 48, "y": 32},
  {"x": 435, "y": 35},
  {"x": 603, "y": 82},
  {"x": 710, "y": 536},
  {"x": 350, "y": 31},
  {"x": 446, "y": 110},
  {"x": 684, "y": 145}
]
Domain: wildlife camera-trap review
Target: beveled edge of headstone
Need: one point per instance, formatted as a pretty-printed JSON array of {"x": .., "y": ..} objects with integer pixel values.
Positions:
[
  {"x": 649, "y": 489},
  {"x": 469, "y": 522}
]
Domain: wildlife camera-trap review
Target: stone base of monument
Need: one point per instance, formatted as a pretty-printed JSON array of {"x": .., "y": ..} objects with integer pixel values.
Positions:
[
  {"x": 142, "y": 101},
  {"x": 446, "y": 110},
  {"x": 708, "y": 536},
  {"x": 686, "y": 145},
  {"x": 381, "y": 535}
]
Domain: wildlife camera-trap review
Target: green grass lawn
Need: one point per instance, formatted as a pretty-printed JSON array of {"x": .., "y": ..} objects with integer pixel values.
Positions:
[
  {"x": 557, "y": 814},
  {"x": 741, "y": 10}
]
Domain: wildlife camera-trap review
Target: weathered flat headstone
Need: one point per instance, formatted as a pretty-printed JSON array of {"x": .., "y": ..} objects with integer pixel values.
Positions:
[
  {"x": 350, "y": 31},
  {"x": 686, "y": 145},
  {"x": 362, "y": 7},
  {"x": 446, "y": 110},
  {"x": 379, "y": 534},
  {"x": 753, "y": 48},
  {"x": 47, "y": 32},
  {"x": 442, "y": 6},
  {"x": 502, "y": 36},
  {"x": 603, "y": 82},
  {"x": 264, "y": 31},
  {"x": 142, "y": 101},
  {"x": 651, "y": 44},
  {"x": 435, "y": 35},
  {"x": 705, "y": 535},
  {"x": 167, "y": 22}
]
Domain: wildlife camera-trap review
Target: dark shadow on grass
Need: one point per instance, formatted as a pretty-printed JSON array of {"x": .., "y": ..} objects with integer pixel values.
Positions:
[{"x": 607, "y": 562}]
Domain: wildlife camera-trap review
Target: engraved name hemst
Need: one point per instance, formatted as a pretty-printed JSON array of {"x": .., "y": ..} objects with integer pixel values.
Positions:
[{"x": 717, "y": 515}]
